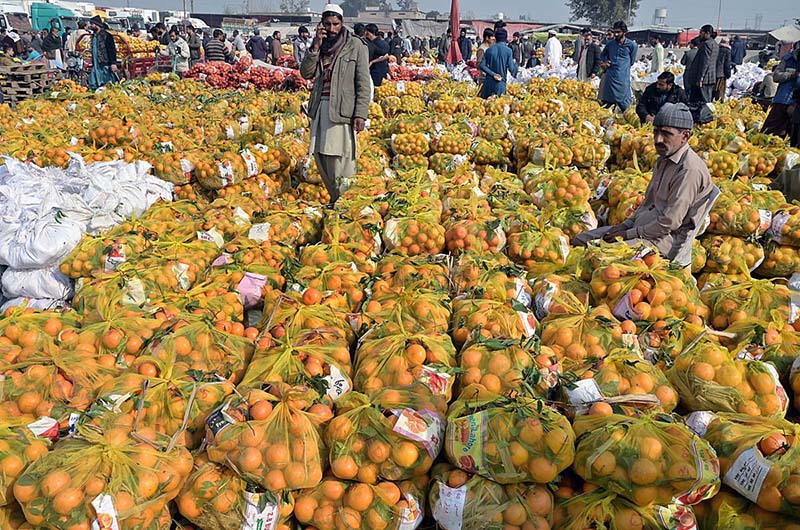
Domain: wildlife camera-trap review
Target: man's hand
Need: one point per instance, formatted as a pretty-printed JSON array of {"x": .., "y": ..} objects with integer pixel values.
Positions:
[
  {"x": 114, "y": 68},
  {"x": 359, "y": 124},
  {"x": 319, "y": 37},
  {"x": 497, "y": 77},
  {"x": 649, "y": 118},
  {"x": 615, "y": 232}
]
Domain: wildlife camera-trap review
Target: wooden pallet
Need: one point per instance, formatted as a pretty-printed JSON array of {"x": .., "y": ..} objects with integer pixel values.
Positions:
[{"x": 24, "y": 81}]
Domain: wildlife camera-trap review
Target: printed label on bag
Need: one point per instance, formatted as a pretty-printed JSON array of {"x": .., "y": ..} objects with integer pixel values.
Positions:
[
  {"x": 181, "y": 272},
  {"x": 783, "y": 399},
  {"x": 765, "y": 220},
  {"x": 583, "y": 393},
  {"x": 219, "y": 420},
  {"x": 260, "y": 511},
  {"x": 422, "y": 426},
  {"x": 116, "y": 255},
  {"x": 747, "y": 474},
  {"x": 794, "y": 307},
  {"x": 698, "y": 421},
  {"x": 438, "y": 382},
  {"x": 226, "y": 173},
  {"x": 776, "y": 228},
  {"x": 528, "y": 322},
  {"x": 244, "y": 124},
  {"x": 134, "y": 292},
  {"x": 543, "y": 299},
  {"x": 259, "y": 232},
  {"x": 278, "y": 126},
  {"x": 222, "y": 260},
  {"x": 186, "y": 167},
  {"x": 466, "y": 443},
  {"x": 250, "y": 289},
  {"x": 520, "y": 294},
  {"x": 624, "y": 309},
  {"x": 411, "y": 516},
  {"x": 105, "y": 513},
  {"x": 449, "y": 508},
  {"x": 45, "y": 427},
  {"x": 602, "y": 187},
  {"x": 676, "y": 517},
  {"x": 250, "y": 163},
  {"x": 211, "y": 236},
  {"x": 338, "y": 383}
]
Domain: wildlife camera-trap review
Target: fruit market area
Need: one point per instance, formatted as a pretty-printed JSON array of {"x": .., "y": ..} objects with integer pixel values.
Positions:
[{"x": 194, "y": 336}]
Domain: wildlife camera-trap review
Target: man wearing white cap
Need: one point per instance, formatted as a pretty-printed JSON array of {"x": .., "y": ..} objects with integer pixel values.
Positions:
[
  {"x": 552, "y": 51},
  {"x": 678, "y": 197},
  {"x": 338, "y": 63}
]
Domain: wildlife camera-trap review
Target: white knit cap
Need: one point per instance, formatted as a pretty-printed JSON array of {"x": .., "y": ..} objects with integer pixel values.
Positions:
[{"x": 333, "y": 8}]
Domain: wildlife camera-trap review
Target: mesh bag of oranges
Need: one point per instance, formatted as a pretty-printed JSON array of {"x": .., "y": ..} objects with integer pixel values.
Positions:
[
  {"x": 485, "y": 152},
  {"x": 581, "y": 332},
  {"x": 785, "y": 229},
  {"x": 424, "y": 272},
  {"x": 508, "y": 439},
  {"x": 729, "y": 510},
  {"x": 779, "y": 261},
  {"x": 452, "y": 142},
  {"x": 647, "y": 290},
  {"x": 774, "y": 342},
  {"x": 122, "y": 478},
  {"x": 410, "y": 143},
  {"x": 601, "y": 509},
  {"x": 573, "y": 219},
  {"x": 293, "y": 224},
  {"x": 311, "y": 354},
  {"x": 504, "y": 284},
  {"x": 199, "y": 344},
  {"x": 165, "y": 397},
  {"x": 699, "y": 257},
  {"x": 504, "y": 365},
  {"x": 479, "y": 233},
  {"x": 407, "y": 310},
  {"x": 173, "y": 221},
  {"x": 763, "y": 299},
  {"x": 661, "y": 342},
  {"x": 361, "y": 232},
  {"x": 342, "y": 278},
  {"x": 19, "y": 447},
  {"x": 647, "y": 460},
  {"x": 414, "y": 235},
  {"x": 333, "y": 504},
  {"x": 270, "y": 438},
  {"x": 550, "y": 291},
  {"x": 472, "y": 270},
  {"x": 13, "y": 518},
  {"x": 738, "y": 215},
  {"x": 757, "y": 162},
  {"x": 731, "y": 255},
  {"x": 388, "y": 359},
  {"x": 723, "y": 164},
  {"x": 471, "y": 502},
  {"x": 97, "y": 255},
  {"x": 287, "y": 314},
  {"x": 216, "y": 497},
  {"x": 394, "y": 434},
  {"x": 556, "y": 187},
  {"x": 621, "y": 378},
  {"x": 590, "y": 152},
  {"x": 215, "y": 171},
  {"x": 537, "y": 247},
  {"x": 213, "y": 300},
  {"x": 762, "y": 448},
  {"x": 491, "y": 319},
  {"x": 707, "y": 377},
  {"x": 251, "y": 283}
]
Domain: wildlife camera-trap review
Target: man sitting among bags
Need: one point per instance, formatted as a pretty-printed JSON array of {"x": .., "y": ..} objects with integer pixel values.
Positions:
[{"x": 677, "y": 199}]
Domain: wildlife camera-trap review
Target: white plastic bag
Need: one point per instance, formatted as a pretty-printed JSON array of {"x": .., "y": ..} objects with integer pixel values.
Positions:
[{"x": 37, "y": 283}]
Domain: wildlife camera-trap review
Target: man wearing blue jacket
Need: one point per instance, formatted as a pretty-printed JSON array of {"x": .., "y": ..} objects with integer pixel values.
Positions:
[
  {"x": 496, "y": 63},
  {"x": 778, "y": 121}
]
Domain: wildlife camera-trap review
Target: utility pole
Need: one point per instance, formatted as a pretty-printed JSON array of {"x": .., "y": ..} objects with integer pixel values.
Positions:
[
  {"x": 719, "y": 15},
  {"x": 630, "y": 4}
]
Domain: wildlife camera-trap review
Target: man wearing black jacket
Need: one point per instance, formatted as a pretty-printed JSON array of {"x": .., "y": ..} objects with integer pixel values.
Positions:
[
  {"x": 588, "y": 57},
  {"x": 663, "y": 91}
]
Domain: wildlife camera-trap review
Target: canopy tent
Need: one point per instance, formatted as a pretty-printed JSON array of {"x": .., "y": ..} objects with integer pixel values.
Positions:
[
  {"x": 424, "y": 28},
  {"x": 454, "y": 53},
  {"x": 790, "y": 33},
  {"x": 511, "y": 27}
]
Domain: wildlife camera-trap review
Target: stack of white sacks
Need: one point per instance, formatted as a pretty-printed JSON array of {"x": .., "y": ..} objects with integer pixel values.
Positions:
[{"x": 44, "y": 213}]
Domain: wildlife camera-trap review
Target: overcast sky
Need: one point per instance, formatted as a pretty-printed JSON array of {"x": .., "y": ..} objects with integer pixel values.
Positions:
[{"x": 735, "y": 13}]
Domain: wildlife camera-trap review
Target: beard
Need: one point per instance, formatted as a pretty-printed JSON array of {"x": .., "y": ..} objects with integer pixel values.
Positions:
[{"x": 329, "y": 42}]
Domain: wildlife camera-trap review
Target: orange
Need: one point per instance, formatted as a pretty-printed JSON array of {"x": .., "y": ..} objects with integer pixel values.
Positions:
[
  {"x": 333, "y": 490},
  {"x": 542, "y": 470},
  {"x": 378, "y": 451},
  {"x": 260, "y": 410},
  {"x": 295, "y": 474},
  {"x": 54, "y": 482},
  {"x": 67, "y": 500},
  {"x": 650, "y": 448},
  {"x": 304, "y": 509},
  {"x": 390, "y": 491},
  {"x": 344, "y": 467},
  {"x": 250, "y": 459},
  {"x": 600, "y": 408},
  {"x": 277, "y": 456},
  {"x": 359, "y": 497},
  {"x": 644, "y": 471},
  {"x": 604, "y": 464},
  {"x": 405, "y": 454}
]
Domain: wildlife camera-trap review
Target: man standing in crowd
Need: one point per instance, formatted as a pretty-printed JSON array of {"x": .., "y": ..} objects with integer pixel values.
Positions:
[
  {"x": 444, "y": 46},
  {"x": 408, "y": 48},
  {"x": 396, "y": 47},
  {"x": 723, "y": 70},
  {"x": 215, "y": 49},
  {"x": 527, "y": 52},
  {"x": 778, "y": 120},
  {"x": 276, "y": 47},
  {"x": 689, "y": 55},
  {"x": 552, "y": 51},
  {"x": 486, "y": 43},
  {"x": 677, "y": 198},
  {"x": 301, "y": 44},
  {"x": 738, "y": 50},
  {"x": 658, "y": 94},
  {"x": 160, "y": 34},
  {"x": 516, "y": 47},
  {"x": 496, "y": 63},
  {"x": 338, "y": 63},
  {"x": 465, "y": 45},
  {"x": 577, "y": 46},
  {"x": 195, "y": 46},
  {"x": 178, "y": 50},
  {"x": 657, "y": 66},
  {"x": 104, "y": 54},
  {"x": 378, "y": 55},
  {"x": 589, "y": 58},
  {"x": 65, "y": 36},
  {"x": 700, "y": 76},
  {"x": 36, "y": 42},
  {"x": 617, "y": 58},
  {"x": 257, "y": 46},
  {"x": 51, "y": 44},
  {"x": 238, "y": 42}
]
